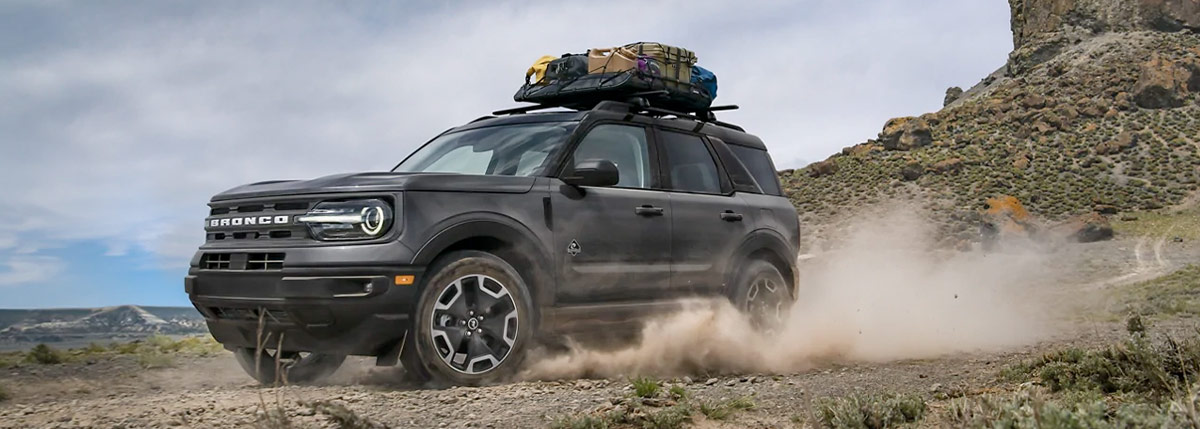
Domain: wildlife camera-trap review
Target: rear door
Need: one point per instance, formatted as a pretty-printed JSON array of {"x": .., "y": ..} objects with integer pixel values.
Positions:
[
  {"x": 709, "y": 220},
  {"x": 613, "y": 243}
]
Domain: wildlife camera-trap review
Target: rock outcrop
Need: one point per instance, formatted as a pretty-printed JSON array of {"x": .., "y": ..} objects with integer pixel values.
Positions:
[
  {"x": 1043, "y": 28},
  {"x": 1098, "y": 105},
  {"x": 905, "y": 134},
  {"x": 1166, "y": 84}
]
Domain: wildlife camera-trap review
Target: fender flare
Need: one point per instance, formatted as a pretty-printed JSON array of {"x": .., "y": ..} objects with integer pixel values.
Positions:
[
  {"x": 505, "y": 229},
  {"x": 768, "y": 241}
]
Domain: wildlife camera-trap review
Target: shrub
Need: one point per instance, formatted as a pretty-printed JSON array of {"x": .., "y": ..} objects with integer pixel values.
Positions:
[
  {"x": 678, "y": 392},
  {"x": 870, "y": 411},
  {"x": 151, "y": 359},
  {"x": 45, "y": 355},
  {"x": 1070, "y": 411},
  {"x": 4, "y": 394},
  {"x": 343, "y": 417},
  {"x": 645, "y": 387},
  {"x": 1135, "y": 366},
  {"x": 93, "y": 349},
  {"x": 722, "y": 410}
]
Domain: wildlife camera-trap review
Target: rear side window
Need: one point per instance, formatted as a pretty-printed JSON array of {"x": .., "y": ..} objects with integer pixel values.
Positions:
[
  {"x": 760, "y": 166},
  {"x": 690, "y": 165}
]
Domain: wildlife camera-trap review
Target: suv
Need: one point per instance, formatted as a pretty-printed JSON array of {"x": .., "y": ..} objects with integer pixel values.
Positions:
[{"x": 505, "y": 231}]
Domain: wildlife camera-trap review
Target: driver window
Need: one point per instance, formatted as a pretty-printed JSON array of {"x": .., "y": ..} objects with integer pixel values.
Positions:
[{"x": 625, "y": 146}]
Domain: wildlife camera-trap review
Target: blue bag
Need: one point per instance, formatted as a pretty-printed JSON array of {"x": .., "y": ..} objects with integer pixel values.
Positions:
[{"x": 705, "y": 79}]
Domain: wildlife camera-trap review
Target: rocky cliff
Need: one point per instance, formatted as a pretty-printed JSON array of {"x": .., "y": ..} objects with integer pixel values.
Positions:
[{"x": 1097, "y": 106}]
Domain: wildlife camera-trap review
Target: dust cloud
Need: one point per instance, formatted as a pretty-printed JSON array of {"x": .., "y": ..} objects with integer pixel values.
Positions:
[{"x": 881, "y": 294}]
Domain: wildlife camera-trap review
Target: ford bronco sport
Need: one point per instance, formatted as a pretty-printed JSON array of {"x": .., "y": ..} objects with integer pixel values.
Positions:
[{"x": 504, "y": 231}]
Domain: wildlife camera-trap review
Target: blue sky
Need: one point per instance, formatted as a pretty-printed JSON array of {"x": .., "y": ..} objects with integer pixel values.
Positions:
[{"x": 120, "y": 119}]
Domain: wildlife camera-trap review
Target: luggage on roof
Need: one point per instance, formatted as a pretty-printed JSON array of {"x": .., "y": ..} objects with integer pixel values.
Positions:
[{"x": 617, "y": 73}]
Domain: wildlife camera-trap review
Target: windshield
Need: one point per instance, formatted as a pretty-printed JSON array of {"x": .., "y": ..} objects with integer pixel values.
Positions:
[{"x": 504, "y": 150}]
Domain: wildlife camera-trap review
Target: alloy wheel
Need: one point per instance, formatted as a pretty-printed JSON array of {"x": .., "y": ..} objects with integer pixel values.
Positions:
[
  {"x": 474, "y": 324},
  {"x": 766, "y": 303}
]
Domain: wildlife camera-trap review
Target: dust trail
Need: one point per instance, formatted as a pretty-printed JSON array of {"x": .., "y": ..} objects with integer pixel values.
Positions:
[{"x": 881, "y": 295}]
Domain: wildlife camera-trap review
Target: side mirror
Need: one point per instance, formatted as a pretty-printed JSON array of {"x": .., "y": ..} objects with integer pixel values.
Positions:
[{"x": 594, "y": 172}]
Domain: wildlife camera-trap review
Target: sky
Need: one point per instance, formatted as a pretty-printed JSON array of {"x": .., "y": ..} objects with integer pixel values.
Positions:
[{"x": 118, "y": 120}]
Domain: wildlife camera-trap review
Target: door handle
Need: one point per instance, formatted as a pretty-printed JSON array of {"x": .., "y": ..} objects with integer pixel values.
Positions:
[
  {"x": 730, "y": 216},
  {"x": 648, "y": 210}
]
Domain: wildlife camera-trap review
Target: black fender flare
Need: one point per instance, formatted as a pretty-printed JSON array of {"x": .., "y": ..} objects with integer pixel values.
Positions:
[
  {"x": 537, "y": 262},
  {"x": 763, "y": 240}
]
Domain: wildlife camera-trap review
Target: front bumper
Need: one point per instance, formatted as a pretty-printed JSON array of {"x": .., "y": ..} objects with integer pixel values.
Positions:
[{"x": 344, "y": 310}]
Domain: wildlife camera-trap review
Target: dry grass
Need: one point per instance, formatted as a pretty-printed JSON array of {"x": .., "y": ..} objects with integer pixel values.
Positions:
[
  {"x": 651, "y": 408},
  {"x": 870, "y": 411},
  {"x": 1184, "y": 224}
]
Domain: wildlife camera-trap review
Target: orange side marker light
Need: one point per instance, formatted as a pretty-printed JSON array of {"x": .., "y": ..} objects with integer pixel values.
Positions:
[{"x": 405, "y": 280}]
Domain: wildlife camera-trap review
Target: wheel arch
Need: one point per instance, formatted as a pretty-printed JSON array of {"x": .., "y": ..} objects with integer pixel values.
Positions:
[
  {"x": 769, "y": 246},
  {"x": 503, "y": 237}
]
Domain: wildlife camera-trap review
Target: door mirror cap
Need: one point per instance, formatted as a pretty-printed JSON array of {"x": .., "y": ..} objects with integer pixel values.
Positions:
[{"x": 594, "y": 172}]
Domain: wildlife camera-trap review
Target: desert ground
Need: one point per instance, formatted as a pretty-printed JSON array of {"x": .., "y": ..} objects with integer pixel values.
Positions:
[{"x": 1084, "y": 304}]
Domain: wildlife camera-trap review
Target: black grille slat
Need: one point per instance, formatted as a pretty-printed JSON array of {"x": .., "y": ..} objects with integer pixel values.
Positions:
[
  {"x": 216, "y": 261},
  {"x": 243, "y": 261},
  {"x": 264, "y": 261}
]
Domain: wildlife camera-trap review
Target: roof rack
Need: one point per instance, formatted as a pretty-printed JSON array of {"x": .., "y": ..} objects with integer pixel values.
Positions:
[{"x": 635, "y": 104}]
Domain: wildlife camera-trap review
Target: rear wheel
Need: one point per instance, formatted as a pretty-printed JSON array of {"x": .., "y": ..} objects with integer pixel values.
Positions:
[
  {"x": 763, "y": 295},
  {"x": 474, "y": 321},
  {"x": 291, "y": 368}
]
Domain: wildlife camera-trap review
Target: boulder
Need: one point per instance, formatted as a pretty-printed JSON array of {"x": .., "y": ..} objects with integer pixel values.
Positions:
[
  {"x": 1084, "y": 229},
  {"x": 1123, "y": 141},
  {"x": 1171, "y": 15},
  {"x": 1106, "y": 209},
  {"x": 947, "y": 165},
  {"x": 1092, "y": 110},
  {"x": 906, "y": 134},
  {"x": 952, "y": 94},
  {"x": 1021, "y": 161},
  {"x": 1033, "y": 101},
  {"x": 912, "y": 171},
  {"x": 1163, "y": 84},
  {"x": 824, "y": 168}
]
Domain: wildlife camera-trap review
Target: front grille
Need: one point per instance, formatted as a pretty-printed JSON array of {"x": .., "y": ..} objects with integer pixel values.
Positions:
[
  {"x": 233, "y": 313},
  {"x": 243, "y": 261},
  {"x": 248, "y": 226}
]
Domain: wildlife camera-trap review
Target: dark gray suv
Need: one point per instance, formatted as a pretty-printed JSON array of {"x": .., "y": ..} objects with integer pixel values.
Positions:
[{"x": 495, "y": 235}]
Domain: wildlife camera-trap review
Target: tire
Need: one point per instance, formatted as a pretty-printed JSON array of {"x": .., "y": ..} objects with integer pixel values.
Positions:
[
  {"x": 298, "y": 367},
  {"x": 762, "y": 294},
  {"x": 473, "y": 324}
]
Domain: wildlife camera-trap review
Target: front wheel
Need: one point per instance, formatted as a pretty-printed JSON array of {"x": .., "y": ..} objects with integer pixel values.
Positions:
[
  {"x": 474, "y": 321},
  {"x": 275, "y": 367},
  {"x": 763, "y": 295}
]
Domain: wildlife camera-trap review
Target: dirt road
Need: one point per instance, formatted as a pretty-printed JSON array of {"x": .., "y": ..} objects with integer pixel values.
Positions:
[{"x": 213, "y": 392}]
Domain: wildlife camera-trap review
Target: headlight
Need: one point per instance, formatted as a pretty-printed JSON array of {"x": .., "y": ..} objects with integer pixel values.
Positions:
[{"x": 348, "y": 220}]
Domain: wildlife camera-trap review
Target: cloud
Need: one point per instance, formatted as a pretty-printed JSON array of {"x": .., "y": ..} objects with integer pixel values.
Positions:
[
  {"x": 27, "y": 269},
  {"x": 131, "y": 115}
]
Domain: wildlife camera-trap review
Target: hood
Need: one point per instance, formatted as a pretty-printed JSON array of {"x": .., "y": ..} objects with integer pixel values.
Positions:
[{"x": 383, "y": 181}]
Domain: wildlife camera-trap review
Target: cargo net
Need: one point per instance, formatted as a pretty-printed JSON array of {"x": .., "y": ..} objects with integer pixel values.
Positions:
[{"x": 582, "y": 80}]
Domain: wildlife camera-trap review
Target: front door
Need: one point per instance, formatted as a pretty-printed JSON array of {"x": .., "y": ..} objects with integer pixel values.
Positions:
[
  {"x": 613, "y": 244},
  {"x": 709, "y": 220}
]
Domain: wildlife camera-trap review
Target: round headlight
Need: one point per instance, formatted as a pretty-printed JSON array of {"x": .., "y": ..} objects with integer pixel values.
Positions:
[
  {"x": 372, "y": 220},
  {"x": 348, "y": 220}
]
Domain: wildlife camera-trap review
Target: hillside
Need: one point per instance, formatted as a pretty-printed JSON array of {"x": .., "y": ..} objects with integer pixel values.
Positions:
[
  {"x": 1096, "y": 106},
  {"x": 98, "y": 324}
]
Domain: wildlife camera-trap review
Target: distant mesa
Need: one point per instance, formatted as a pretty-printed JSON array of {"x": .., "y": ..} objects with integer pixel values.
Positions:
[{"x": 119, "y": 322}]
